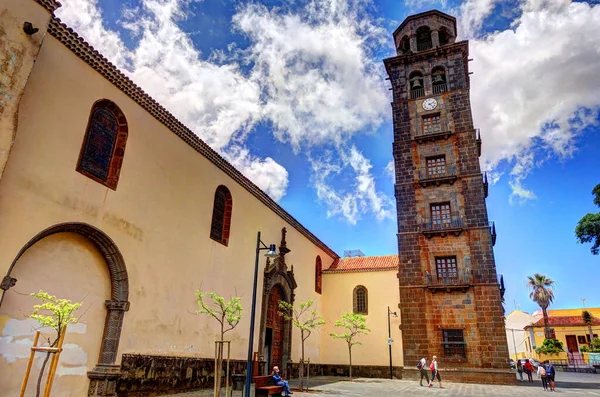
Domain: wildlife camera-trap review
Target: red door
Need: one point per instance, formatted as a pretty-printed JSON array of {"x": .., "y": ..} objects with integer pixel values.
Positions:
[
  {"x": 572, "y": 343},
  {"x": 275, "y": 322}
]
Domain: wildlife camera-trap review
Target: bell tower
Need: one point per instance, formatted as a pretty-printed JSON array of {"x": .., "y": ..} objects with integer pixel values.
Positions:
[{"x": 450, "y": 293}]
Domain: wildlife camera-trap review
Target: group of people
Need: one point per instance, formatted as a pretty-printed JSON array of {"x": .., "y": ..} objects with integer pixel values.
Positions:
[
  {"x": 545, "y": 372},
  {"x": 433, "y": 367}
]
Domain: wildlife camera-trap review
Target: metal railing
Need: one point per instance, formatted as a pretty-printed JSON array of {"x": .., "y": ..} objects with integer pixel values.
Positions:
[
  {"x": 437, "y": 172},
  {"x": 461, "y": 277},
  {"x": 417, "y": 93},
  {"x": 440, "y": 88},
  {"x": 424, "y": 45},
  {"x": 435, "y": 224},
  {"x": 444, "y": 127}
]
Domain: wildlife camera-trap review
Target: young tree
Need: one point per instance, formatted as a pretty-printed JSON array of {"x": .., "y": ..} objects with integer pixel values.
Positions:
[
  {"x": 588, "y": 320},
  {"x": 588, "y": 227},
  {"x": 54, "y": 313},
  {"x": 305, "y": 320},
  {"x": 228, "y": 314},
  {"x": 542, "y": 294},
  {"x": 356, "y": 325}
]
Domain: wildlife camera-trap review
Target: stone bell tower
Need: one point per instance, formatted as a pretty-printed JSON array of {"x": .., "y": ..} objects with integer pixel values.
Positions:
[{"x": 450, "y": 294}]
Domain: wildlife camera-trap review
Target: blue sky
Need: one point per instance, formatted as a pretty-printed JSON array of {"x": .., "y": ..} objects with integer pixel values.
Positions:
[{"x": 293, "y": 94}]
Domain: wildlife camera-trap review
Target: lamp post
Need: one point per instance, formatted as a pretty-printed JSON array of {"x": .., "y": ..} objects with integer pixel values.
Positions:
[
  {"x": 260, "y": 246},
  {"x": 390, "y": 339}
]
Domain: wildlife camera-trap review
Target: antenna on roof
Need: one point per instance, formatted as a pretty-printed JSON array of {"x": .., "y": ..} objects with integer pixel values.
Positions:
[{"x": 353, "y": 253}]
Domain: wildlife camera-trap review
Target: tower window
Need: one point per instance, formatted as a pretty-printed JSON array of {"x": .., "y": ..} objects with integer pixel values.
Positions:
[
  {"x": 103, "y": 148},
  {"x": 444, "y": 35},
  {"x": 404, "y": 45},
  {"x": 318, "y": 275},
  {"x": 440, "y": 215},
  {"x": 360, "y": 301},
  {"x": 221, "y": 217},
  {"x": 438, "y": 80},
  {"x": 453, "y": 342},
  {"x": 424, "y": 39},
  {"x": 436, "y": 166},
  {"x": 446, "y": 268},
  {"x": 417, "y": 89},
  {"x": 432, "y": 124}
]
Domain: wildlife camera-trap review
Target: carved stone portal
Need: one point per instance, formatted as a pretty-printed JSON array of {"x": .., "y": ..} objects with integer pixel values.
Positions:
[{"x": 275, "y": 340}]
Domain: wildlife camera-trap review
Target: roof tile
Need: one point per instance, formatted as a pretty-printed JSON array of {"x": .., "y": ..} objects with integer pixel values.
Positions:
[
  {"x": 364, "y": 264},
  {"x": 562, "y": 321}
]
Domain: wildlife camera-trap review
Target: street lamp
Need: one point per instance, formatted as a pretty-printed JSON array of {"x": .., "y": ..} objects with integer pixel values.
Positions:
[
  {"x": 390, "y": 338},
  {"x": 260, "y": 246}
]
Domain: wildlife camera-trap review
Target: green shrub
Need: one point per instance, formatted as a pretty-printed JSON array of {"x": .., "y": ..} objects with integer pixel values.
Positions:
[{"x": 550, "y": 346}]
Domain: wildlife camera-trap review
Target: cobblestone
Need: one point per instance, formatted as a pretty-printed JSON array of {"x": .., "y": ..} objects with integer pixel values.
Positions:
[{"x": 567, "y": 384}]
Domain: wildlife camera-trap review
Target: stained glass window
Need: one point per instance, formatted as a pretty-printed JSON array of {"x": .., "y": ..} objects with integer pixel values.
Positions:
[
  {"x": 221, "y": 217},
  {"x": 103, "y": 146}
]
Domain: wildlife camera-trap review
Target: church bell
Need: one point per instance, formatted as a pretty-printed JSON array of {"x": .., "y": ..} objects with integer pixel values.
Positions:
[{"x": 416, "y": 83}]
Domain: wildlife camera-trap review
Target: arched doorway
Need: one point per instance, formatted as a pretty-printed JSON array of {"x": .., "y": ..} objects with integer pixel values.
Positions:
[
  {"x": 68, "y": 251},
  {"x": 274, "y": 332}
]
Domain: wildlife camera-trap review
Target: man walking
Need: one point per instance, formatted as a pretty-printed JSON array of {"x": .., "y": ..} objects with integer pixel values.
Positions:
[{"x": 423, "y": 369}]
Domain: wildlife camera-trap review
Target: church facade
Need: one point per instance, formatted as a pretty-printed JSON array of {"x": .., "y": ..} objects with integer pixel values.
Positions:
[{"x": 106, "y": 198}]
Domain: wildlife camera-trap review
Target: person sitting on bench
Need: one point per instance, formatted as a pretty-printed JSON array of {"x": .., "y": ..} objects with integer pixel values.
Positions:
[{"x": 278, "y": 380}]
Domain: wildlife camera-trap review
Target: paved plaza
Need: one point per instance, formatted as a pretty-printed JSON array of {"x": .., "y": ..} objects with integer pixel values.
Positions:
[{"x": 568, "y": 384}]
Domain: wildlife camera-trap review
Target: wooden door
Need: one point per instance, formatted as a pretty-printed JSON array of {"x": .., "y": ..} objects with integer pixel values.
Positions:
[
  {"x": 276, "y": 323},
  {"x": 572, "y": 343}
]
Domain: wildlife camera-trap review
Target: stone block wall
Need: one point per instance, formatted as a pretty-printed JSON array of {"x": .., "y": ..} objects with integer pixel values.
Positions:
[
  {"x": 425, "y": 312},
  {"x": 150, "y": 375},
  {"x": 343, "y": 370}
]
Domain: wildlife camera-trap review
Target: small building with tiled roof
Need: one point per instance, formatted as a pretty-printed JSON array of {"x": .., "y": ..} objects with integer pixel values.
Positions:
[
  {"x": 367, "y": 285},
  {"x": 567, "y": 326}
]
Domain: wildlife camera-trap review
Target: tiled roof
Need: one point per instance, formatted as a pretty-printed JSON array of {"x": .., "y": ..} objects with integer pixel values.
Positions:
[
  {"x": 565, "y": 321},
  {"x": 50, "y": 5},
  {"x": 364, "y": 264},
  {"x": 98, "y": 62}
]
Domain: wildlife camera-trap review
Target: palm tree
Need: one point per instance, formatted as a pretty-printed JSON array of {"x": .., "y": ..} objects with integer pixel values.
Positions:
[
  {"x": 542, "y": 294},
  {"x": 588, "y": 319}
]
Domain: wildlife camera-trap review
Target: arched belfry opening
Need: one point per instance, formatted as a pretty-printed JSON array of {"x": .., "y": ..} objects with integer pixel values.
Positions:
[
  {"x": 424, "y": 41},
  {"x": 275, "y": 339}
]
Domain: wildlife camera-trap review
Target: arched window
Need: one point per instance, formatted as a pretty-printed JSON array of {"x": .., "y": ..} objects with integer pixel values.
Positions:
[
  {"x": 417, "y": 89},
  {"x": 103, "y": 148},
  {"x": 360, "y": 301},
  {"x": 424, "y": 38},
  {"x": 404, "y": 45},
  {"x": 444, "y": 35},
  {"x": 221, "y": 216},
  {"x": 318, "y": 275},
  {"x": 438, "y": 80}
]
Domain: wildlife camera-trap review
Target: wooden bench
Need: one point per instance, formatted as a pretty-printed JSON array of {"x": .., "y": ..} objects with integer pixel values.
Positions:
[{"x": 263, "y": 385}]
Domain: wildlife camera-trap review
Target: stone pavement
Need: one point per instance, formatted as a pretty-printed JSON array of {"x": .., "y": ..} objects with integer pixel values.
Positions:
[{"x": 568, "y": 384}]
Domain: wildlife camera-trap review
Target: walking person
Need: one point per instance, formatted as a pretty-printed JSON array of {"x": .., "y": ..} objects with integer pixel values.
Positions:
[
  {"x": 520, "y": 369},
  {"x": 423, "y": 369},
  {"x": 279, "y": 381},
  {"x": 542, "y": 374},
  {"x": 434, "y": 372},
  {"x": 528, "y": 370},
  {"x": 550, "y": 373}
]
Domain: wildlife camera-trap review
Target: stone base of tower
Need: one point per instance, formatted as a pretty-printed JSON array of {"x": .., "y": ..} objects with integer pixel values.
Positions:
[{"x": 468, "y": 375}]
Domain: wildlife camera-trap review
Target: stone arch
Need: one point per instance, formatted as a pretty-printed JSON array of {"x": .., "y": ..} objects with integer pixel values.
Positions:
[{"x": 105, "y": 370}]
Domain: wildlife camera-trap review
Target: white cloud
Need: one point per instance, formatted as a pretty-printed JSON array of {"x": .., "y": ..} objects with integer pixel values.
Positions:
[
  {"x": 535, "y": 88},
  {"x": 472, "y": 15},
  {"x": 359, "y": 197},
  {"x": 391, "y": 170},
  {"x": 217, "y": 102},
  {"x": 271, "y": 177},
  {"x": 320, "y": 82}
]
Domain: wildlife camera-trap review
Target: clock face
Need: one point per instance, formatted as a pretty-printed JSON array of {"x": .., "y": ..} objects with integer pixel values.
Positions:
[{"x": 429, "y": 104}]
